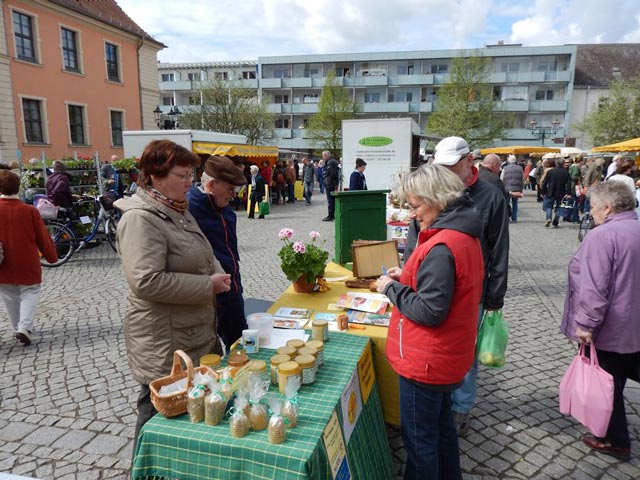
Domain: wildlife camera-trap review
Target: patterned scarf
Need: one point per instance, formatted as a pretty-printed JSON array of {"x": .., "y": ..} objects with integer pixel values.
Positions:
[{"x": 179, "y": 207}]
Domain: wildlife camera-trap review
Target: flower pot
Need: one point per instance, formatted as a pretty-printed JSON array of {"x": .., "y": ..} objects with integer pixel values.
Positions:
[{"x": 302, "y": 286}]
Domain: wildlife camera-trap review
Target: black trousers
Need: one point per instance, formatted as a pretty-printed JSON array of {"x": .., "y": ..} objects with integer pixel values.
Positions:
[
  {"x": 146, "y": 411},
  {"x": 231, "y": 318},
  {"x": 331, "y": 204},
  {"x": 621, "y": 366}
]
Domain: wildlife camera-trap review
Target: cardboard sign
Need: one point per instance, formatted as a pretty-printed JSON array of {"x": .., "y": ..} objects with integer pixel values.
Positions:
[{"x": 369, "y": 258}]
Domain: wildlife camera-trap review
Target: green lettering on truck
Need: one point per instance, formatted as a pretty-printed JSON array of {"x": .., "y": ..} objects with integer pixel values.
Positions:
[{"x": 375, "y": 141}]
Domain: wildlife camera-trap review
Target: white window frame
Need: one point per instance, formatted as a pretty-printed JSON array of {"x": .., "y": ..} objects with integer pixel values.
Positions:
[
  {"x": 43, "y": 119},
  {"x": 119, "y": 55},
  {"x": 78, "y": 49},
  {"x": 124, "y": 124},
  {"x": 194, "y": 74},
  {"x": 85, "y": 123},
  {"x": 35, "y": 33},
  {"x": 171, "y": 75}
]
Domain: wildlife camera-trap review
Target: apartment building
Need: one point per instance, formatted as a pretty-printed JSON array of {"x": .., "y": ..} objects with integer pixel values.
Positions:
[
  {"x": 533, "y": 84},
  {"x": 74, "y": 74}
]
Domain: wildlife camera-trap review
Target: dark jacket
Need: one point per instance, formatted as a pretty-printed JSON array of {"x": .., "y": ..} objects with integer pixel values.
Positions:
[
  {"x": 331, "y": 174},
  {"x": 257, "y": 193},
  {"x": 557, "y": 184},
  {"x": 219, "y": 226},
  {"x": 494, "y": 240},
  {"x": 488, "y": 176},
  {"x": 357, "y": 181},
  {"x": 513, "y": 178},
  {"x": 308, "y": 172},
  {"x": 58, "y": 189}
]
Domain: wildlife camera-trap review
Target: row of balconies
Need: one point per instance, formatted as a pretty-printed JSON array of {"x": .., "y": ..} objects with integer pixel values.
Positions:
[{"x": 372, "y": 81}]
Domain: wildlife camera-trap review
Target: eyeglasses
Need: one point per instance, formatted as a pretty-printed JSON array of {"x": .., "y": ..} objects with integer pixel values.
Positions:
[{"x": 185, "y": 178}]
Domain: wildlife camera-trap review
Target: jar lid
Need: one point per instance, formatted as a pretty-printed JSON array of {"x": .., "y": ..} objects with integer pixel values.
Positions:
[
  {"x": 210, "y": 360},
  {"x": 295, "y": 343},
  {"x": 320, "y": 323},
  {"x": 305, "y": 361},
  {"x": 257, "y": 366},
  {"x": 307, "y": 350},
  {"x": 289, "y": 368},
  {"x": 286, "y": 350},
  {"x": 317, "y": 344},
  {"x": 237, "y": 359},
  {"x": 278, "y": 359}
]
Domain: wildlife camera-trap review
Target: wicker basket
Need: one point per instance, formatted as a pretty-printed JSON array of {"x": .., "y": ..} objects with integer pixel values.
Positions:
[{"x": 175, "y": 404}]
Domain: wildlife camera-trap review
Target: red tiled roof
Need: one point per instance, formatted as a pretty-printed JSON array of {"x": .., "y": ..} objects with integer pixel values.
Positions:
[{"x": 107, "y": 11}]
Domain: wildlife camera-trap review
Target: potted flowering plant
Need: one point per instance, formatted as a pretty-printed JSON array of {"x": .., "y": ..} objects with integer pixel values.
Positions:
[{"x": 302, "y": 263}]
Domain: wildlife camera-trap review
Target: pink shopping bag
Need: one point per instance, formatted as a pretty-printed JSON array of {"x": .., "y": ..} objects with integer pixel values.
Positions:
[{"x": 586, "y": 393}]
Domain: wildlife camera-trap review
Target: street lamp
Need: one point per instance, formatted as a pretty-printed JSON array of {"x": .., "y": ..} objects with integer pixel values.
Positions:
[
  {"x": 541, "y": 132},
  {"x": 171, "y": 123}
]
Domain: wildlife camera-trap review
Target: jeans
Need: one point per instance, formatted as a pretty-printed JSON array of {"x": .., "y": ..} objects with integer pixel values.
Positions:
[
  {"x": 308, "y": 191},
  {"x": 231, "y": 318},
  {"x": 331, "y": 203},
  {"x": 514, "y": 209},
  {"x": 21, "y": 302},
  {"x": 548, "y": 205},
  {"x": 429, "y": 433},
  {"x": 464, "y": 397},
  {"x": 290, "y": 193}
]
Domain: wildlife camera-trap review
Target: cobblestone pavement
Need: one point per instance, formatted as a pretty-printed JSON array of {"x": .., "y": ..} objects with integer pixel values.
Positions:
[{"x": 67, "y": 401}]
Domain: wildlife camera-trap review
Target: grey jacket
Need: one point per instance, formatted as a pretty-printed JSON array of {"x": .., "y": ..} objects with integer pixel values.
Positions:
[
  {"x": 167, "y": 262},
  {"x": 513, "y": 178}
]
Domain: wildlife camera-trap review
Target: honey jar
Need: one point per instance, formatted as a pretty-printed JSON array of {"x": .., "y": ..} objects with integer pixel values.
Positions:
[
  {"x": 287, "y": 350},
  {"x": 308, "y": 366},
  {"x": 237, "y": 359},
  {"x": 211, "y": 360},
  {"x": 286, "y": 371},
  {"x": 319, "y": 346},
  {"x": 320, "y": 330},
  {"x": 295, "y": 343},
  {"x": 275, "y": 361}
]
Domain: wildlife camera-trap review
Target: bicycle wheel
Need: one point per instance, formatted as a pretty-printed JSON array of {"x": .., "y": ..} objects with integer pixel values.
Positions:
[
  {"x": 65, "y": 243},
  {"x": 110, "y": 226}
]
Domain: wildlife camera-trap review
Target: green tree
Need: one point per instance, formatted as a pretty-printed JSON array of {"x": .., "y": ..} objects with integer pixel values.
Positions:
[
  {"x": 465, "y": 106},
  {"x": 228, "y": 108},
  {"x": 335, "y": 105},
  {"x": 616, "y": 117}
]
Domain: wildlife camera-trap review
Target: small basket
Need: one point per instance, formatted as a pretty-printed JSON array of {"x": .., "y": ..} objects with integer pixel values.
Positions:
[{"x": 175, "y": 404}]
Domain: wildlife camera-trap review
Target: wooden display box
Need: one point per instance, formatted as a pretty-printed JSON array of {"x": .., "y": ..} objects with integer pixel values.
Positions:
[{"x": 370, "y": 256}]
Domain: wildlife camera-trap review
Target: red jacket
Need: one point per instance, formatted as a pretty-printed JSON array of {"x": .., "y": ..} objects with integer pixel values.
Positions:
[
  {"x": 23, "y": 235},
  {"x": 443, "y": 354}
]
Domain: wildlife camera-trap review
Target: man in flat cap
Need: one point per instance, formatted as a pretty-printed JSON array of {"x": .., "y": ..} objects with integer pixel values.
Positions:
[{"x": 209, "y": 204}]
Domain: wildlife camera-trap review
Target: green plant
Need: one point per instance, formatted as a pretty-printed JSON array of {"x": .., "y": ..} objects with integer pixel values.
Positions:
[{"x": 299, "y": 259}]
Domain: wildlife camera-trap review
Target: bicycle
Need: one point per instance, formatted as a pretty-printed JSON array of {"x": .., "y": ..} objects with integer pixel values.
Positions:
[
  {"x": 65, "y": 235},
  {"x": 586, "y": 224}
]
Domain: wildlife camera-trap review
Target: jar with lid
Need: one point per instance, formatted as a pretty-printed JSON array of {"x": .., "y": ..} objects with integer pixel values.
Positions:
[
  {"x": 307, "y": 350},
  {"x": 320, "y": 330},
  {"x": 212, "y": 360},
  {"x": 319, "y": 346},
  {"x": 258, "y": 372},
  {"x": 275, "y": 361},
  {"x": 237, "y": 359},
  {"x": 286, "y": 371},
  {"x": 308, "y": 366},
  {"x": 295, "y": 343},
  {"x": 287, "y": 350}
]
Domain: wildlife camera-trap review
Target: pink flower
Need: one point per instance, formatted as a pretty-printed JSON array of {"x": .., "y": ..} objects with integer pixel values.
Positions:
[
  {"x": 314, "y": 235},
  {"x": 299, "y": 247},
  {"x": 285, "y": 233}
]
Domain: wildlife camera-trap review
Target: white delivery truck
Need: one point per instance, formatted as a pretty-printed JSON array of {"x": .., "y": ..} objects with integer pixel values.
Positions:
[{"x": 390, "y": 146}]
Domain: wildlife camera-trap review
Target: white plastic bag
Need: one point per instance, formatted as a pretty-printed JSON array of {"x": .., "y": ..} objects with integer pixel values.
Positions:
[{"x": 48, "y": 211}]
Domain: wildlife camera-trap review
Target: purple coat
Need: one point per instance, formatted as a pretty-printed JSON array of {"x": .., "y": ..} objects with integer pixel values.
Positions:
[{"x": 604, "y": 277}]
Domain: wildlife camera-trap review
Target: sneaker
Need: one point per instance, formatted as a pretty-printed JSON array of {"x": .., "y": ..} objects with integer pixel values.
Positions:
[
  {"x": 327, "y": 219},
  {"x": 547, "y": 223},
  {"x": 461, "y": 421},
  {"x": 24, "y": 337},
  {"x": 604, "y": 446}
]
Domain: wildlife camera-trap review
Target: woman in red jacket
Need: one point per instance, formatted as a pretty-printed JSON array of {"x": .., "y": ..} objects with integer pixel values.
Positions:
[
  {"x": 23, "y": 235},
  {"x": 432, "y": 334}
]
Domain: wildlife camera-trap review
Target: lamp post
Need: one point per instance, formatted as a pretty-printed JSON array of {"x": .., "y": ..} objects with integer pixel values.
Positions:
[
  {"x": 170, "y": 124},
  {"x": 541, "y": 132}
]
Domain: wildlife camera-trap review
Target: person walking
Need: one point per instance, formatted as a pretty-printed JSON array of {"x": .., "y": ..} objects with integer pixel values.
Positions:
[
  {"x": 290, "y": 176},
  {"x": 209, "y": 205},
  {"x": 357, "y": 180},
  {"x": 257, "y": 191},
  {"x": 331, "y": 181},
  {"x": 308, "y": 173},
  {"x": 433, "y": 322},
  {"x": 513, "y": 178},
  {"x": 454, "y": 154},
  {"x": 23, "y": 237},
  {"x": 601, "y": 303},
  {"x": 555, "y": 187}
]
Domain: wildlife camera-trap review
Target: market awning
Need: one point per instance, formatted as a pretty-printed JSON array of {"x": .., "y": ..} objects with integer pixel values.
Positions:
[
  {"x": 252, "y": 151},
  {"x": 632, "y": 145},
  {"x": 516, "y": 149}
]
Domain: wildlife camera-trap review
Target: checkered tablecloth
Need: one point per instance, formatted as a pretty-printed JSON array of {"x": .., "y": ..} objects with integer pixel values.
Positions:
[{"x": 177, "y": 449}]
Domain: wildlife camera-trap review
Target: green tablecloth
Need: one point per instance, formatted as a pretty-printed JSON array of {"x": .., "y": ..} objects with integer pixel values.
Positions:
[{"x": 177, "y": 449}]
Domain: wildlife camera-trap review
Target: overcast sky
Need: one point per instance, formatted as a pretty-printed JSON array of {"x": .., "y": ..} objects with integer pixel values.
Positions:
[{"x": 218, "y": 30}]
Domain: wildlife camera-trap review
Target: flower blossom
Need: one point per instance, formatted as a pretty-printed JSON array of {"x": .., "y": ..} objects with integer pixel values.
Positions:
[
  {"x": 285, "y": 233},
  {"x": 314, "y": 235},
  {"x": 299, "y": 247}
]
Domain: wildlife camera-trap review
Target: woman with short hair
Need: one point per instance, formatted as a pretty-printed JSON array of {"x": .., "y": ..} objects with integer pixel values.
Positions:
[
  {"x": 170, "y": 268},
  {"x": 432, "y": 334},
  {"x": 23, "y": 237},
  {"x": 602, "y": 304}
]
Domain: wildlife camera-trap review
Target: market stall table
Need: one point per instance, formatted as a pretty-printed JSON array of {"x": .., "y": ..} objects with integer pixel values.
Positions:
[
  {"x": 175, "y": 448},
  {"x": 386, "y": 377}
]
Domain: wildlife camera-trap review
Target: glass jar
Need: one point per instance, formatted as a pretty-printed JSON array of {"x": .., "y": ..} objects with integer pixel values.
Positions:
[
  {"x": 211, "y": 360},
  {"x": 287, "y": 350},
  {"x": 320, "y": 330},
  {"x": 295, "y": 343},
  {"x": 308, "y": 367},
  {"x": 286, "y": 371},
  {"x": 319, "y": 346},
  {"x": 275, "y": 361}
]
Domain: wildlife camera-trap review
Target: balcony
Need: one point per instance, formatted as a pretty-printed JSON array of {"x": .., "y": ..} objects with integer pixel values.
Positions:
[
  {"x": 319, "y": 81},
  {"x": 531, "y": 77},
  {"x": 271, "y": 83},
  {"x": 513, "y": 105},
  {"x": 281, "y": 133},
  {"x": 244, "y": 83},
  {"x": 440, "y": 78},
  {"x": 548, "y": 106},
  {"x": 298, "y": 82},
  {"x": 183, "y": 85},
  {"x": 304, "y": 108},
  {"x": 274, "y": 108},
  {"x": 385, "y": 107},
  {"x": 411, "y": 80}
]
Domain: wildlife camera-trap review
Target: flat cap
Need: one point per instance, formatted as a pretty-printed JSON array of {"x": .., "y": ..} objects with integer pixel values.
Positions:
[{"x": 222, "y": 168}]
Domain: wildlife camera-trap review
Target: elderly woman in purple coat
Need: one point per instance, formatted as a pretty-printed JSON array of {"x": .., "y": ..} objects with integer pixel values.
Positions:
[{"x": 602, "y": 305}]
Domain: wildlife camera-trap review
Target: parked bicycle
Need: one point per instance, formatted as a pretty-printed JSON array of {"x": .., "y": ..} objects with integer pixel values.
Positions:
[
  {"x": 64, "y": 230},
  {"x": 586, "y": 224}
]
